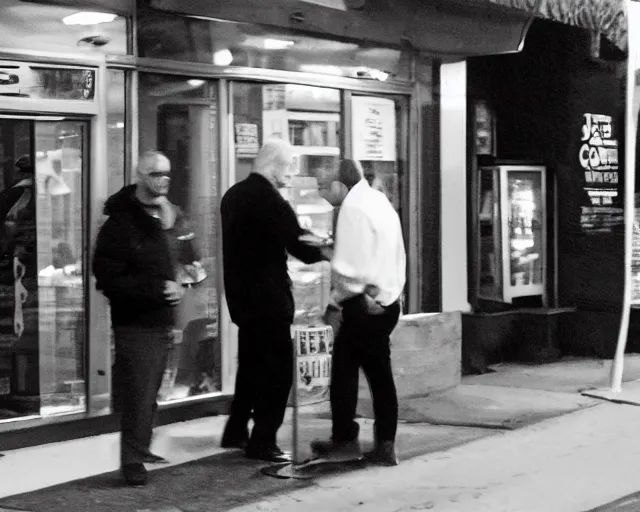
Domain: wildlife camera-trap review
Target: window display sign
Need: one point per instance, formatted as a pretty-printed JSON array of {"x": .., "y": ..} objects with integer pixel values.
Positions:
[
  {"x": 247, "y": 141},
  {"x": 374, "y": 128},
  {"x": 24, "y": 80},
  {"x": 598, "y": 159},
  {"x": 313, "y": 348}
]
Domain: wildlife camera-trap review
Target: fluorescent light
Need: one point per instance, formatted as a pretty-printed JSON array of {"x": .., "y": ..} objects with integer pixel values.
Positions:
[
  {"x": 195, "y": 82},
  {"x": 321, "y": 69},
  {"x": 222, "y": 57},
  {"x": 89, "y": 18},
  {"x": 277, "y": 44}
]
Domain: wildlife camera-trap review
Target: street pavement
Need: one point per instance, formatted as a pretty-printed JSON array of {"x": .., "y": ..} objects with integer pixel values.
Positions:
[
  {"x": 577, "y": 462},
  {"x": 572, "y": 463}
]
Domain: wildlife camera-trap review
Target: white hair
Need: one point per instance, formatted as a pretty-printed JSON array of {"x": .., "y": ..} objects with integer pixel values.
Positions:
[
  {"x": 149, "y": 159},
  {"x": 274, "y": 152}
]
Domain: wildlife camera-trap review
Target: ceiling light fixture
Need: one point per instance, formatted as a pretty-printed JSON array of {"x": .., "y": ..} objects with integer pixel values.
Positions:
[
  {"x": 195, "y": 82},
  {"x": 89, "y": 18},
  {"x": 277, "y": 44},
  {"x": 222, "y": 57}
]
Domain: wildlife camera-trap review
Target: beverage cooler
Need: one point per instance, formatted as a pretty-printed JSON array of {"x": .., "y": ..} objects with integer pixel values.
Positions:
[{"x": 513, "y": 238}]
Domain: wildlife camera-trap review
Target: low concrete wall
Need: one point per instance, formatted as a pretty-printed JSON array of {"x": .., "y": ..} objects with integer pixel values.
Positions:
[{"x": 425, "y": 354}]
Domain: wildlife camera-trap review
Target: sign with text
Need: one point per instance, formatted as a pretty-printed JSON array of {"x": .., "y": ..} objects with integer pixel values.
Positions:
[
  {"x": 313, "y": 348},
  {"x": 247, "y": 140},
  {"x": 373, "y": 128},
  {"x": 598, "y": 159}
]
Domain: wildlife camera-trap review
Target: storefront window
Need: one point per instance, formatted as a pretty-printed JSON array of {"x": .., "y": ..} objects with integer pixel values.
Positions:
[
  {"x": 42, "y": 332},
  {"x": 41, "y": 27},
  {"x": 179, "y": 117},
  {"x": 226, "y": 43},
  {"x": 310, "y": 118},
  {"x": 116, "y": 153}
]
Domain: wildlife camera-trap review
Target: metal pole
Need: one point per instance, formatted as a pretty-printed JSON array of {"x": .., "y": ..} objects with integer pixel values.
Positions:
[
  {"x": 633, "y": 16},
  {"x": 294, "y": 412}
]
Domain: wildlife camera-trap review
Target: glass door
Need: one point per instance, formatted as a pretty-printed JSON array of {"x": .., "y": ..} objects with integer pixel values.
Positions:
[
  {"x": 43, "y": 162},
  {"x": 523, "y": 226},
  {"x": 179, "y": 117}
]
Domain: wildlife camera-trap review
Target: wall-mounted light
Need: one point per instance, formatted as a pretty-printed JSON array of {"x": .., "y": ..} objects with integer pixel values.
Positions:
[
  {"x": 277, "y": 44},
  {"x": 89, "y": 18},
  {"x": 222, "y": 57}
]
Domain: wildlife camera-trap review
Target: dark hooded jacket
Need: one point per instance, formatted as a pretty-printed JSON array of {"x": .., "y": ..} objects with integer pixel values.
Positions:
[{"x": 133, "y": 260}]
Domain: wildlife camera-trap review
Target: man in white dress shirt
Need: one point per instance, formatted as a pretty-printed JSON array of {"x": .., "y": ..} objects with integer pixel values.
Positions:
[{"x": 368, "y": 265}]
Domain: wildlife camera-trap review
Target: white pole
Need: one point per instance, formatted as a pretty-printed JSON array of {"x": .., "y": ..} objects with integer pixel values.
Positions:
[{"x": 633, "y": 18}]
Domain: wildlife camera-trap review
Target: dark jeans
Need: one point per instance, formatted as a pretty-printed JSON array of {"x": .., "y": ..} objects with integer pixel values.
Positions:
[
  {"x": 141, "y": 358},
  {"x": 263, "y": 381},
  {"x": 363, "y": 341}
]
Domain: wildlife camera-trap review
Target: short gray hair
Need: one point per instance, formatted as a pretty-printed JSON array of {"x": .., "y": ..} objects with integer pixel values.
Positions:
[
  {"x": 149, "y": 159},
  {"x": 273, "y": 152}
]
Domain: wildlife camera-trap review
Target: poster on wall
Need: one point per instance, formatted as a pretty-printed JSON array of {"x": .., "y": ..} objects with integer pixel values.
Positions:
[
  {"x": 313, "y": 348},
  {"x": 247, "y": 140},
  {"x": 374, "y": 128},
  {"x": 598, "y": 160}
]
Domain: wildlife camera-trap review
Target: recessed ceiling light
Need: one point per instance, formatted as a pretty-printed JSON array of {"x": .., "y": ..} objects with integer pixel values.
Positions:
[
  {"x": 222, "y": 57},
  {"x": 277, "y": 44},
  {"x": 89, "y": 18}
]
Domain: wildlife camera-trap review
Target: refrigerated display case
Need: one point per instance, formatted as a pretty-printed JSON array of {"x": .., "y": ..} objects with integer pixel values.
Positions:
[{"x": 512, "y": 241}]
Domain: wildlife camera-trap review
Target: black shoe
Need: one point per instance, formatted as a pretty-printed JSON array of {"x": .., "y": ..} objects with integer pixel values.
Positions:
[
  {"x": 135, "y": 474},
  {"x": 383, "y": 454},
  {"x": 267, "y": 453},
  {"x": 234, "y": 438},
  {"x": 155, "y": 459},
  {"x": 342, "y": 451}
]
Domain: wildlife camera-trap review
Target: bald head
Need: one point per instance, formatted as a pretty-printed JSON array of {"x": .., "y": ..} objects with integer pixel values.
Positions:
[
  {"x": 154, "y": 174},
  {"x": 350, "y": 172},
  {"x": 276, "y": 162}
]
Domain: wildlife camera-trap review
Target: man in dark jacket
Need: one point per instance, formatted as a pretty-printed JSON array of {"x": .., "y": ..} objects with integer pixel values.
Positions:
[
  {"x": 259, "y": 228},
  {"x": 135, "y": 267}
]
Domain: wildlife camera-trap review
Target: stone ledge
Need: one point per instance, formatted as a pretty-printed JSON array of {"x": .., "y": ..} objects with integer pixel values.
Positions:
[{"x": 425, "y": 355}]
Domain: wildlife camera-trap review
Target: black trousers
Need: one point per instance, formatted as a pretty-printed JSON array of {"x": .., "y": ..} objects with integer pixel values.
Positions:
[
  {"x": 141, "y": 358},
  {"x": 363, "y": 341},
  {"x": 263, "y": 381}
]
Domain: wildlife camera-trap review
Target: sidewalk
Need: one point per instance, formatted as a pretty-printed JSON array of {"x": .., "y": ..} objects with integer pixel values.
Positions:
[{"x": 445, "y": 467}]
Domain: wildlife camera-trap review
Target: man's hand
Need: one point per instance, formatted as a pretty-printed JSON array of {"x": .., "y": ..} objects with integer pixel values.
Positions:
[{"x": 173, "y": 292}]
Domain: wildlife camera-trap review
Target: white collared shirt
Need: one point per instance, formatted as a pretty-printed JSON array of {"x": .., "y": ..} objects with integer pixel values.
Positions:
[{"x": 369, "y": 248}]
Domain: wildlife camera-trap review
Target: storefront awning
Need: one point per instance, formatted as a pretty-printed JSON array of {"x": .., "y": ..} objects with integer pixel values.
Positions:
[
  {"x": 606, "y": 17},
  {"x": 437, "y": 27}
]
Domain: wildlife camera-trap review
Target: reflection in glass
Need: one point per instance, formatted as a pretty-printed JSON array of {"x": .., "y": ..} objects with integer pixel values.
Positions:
[
  {"x": 197, "y": 40},
  {"x": 38, "y": 26},
  {"x": 115, "y": 129},
  {"x": 41, "y": 277},
  {"x": 490, "y": 247},
  {"x": 179, "y": 117},
  {"x": 525, "y": 227}
]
